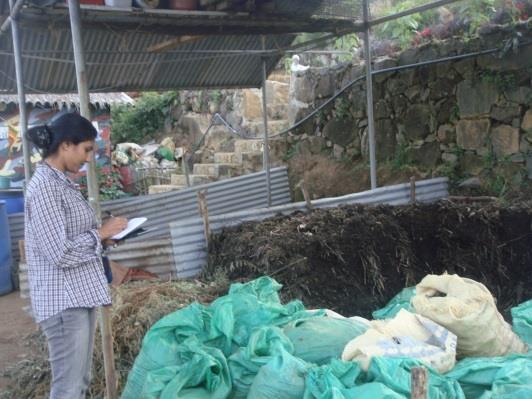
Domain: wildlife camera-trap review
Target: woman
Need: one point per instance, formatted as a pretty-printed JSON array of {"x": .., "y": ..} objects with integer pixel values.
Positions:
[{"x": 64, "y": 252}]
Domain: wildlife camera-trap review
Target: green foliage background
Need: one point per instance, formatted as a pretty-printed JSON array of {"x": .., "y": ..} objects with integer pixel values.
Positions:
[{"x": 141, "y": 122}]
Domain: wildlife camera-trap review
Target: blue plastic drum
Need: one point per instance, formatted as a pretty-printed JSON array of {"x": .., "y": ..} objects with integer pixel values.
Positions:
[
  {"x": 6, "y": 285},
  {"x": 14, "y": 200}
]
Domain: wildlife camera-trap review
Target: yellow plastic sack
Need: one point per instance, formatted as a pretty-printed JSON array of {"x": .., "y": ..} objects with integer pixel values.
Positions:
[
  {"x": 406, "y": 335},
  {"x": 467, "y": 309}
]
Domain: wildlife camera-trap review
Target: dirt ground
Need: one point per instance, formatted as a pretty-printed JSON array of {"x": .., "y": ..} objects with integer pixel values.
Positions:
[{"x": 15, "y": 324}]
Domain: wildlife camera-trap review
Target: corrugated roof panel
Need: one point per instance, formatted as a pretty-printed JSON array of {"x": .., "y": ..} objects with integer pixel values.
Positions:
[{"x": 120, "y": 62}]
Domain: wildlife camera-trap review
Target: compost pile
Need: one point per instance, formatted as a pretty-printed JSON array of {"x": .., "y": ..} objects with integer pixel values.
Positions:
[
  {"x": 136, "y": 307},
  {"x": 353, "y": 259}
]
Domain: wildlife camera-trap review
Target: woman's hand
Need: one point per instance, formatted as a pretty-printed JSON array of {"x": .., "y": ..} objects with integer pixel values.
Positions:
[{"x": 111, "y": 227}]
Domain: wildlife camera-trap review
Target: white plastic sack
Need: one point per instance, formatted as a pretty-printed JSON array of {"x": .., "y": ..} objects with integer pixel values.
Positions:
[
  {"x": 467, "y": 309},
  {"x": 406, "y": 335}
]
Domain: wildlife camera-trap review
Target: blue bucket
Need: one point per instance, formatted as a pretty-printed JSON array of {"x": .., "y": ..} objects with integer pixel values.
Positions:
[{"x": 6, "y": 285}]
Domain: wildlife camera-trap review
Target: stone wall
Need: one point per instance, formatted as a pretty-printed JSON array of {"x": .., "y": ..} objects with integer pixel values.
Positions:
[{"x": 467, "y": 114}]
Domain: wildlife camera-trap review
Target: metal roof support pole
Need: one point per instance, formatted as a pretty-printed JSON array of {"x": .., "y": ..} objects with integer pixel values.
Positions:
[
  {"x": 93, "y": 189},
  {"x": 14, "y": 10},
  {"x": 266, "y": 151},
  {"x": 23, "y": 111},
  {"x": 369, "y": 97}
]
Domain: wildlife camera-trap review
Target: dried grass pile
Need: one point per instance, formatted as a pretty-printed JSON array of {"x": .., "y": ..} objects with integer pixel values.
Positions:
[{"x": 136, "y": 307}]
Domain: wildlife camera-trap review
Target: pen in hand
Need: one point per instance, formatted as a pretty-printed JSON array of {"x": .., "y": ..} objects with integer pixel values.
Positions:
[{"x": 112, "y": 226}]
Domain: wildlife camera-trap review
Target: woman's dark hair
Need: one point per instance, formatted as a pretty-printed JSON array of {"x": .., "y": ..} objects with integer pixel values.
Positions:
[{"x": 63, "y": 128}]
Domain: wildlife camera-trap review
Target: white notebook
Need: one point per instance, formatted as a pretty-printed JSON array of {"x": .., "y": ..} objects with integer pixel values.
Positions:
[{"x": 132, "y": 225}]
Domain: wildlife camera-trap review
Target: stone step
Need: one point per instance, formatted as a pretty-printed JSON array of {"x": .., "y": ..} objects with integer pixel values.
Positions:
[
  {"x": 253, "y": 145},
  {"x": 251, "y": 161},
  {"x": 279, "y": 77},
  {"x": 225, "y": 157},
  {"x": 257, "y": 127},
  {"x": 164, "y": 188},
  {"x": 216, "y": 170},
  {"x": 181, "y": 180}
]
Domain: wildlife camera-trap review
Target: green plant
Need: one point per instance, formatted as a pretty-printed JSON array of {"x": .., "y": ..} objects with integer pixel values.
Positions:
[
  {"x": 140, "y": 122},
  {"x": 402, "y": 157},
  {"x": 216, "y": 96},
  {"x": 342, "y": 107},
  {"x": 451, "y": 171},
  {"x": 455, "y": 113},
  {"x": 292, "y": 151},
  {"x": 346, "y": 43},
  {"x": 109, "y": 183},
  {"x": 497, "y": 185},
  {"x": 504, "y": 81}
]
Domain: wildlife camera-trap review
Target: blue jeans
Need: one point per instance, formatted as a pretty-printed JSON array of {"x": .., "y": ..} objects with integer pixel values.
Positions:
[{"x": 70, "y": 336}]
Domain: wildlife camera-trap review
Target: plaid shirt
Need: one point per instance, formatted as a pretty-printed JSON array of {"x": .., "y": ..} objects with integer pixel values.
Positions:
[{"x": 63, "y": 247}]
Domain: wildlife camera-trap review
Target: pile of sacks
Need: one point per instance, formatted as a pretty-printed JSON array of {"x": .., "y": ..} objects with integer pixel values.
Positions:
[
  {"x": 152, "y": 155},
  {"x": 248, "y": 345}
]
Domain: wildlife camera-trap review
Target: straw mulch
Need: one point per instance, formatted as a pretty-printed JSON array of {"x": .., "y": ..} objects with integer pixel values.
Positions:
[{"x": 136, "y": 307}]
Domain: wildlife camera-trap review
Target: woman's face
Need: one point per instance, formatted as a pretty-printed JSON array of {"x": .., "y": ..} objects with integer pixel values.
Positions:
[{"x": 76, "y": 155}]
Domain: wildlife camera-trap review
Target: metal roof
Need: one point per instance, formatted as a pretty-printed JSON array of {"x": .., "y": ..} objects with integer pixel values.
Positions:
[
  {"x": 221, "y": 49},
  {"x": 98, "y": 100}
]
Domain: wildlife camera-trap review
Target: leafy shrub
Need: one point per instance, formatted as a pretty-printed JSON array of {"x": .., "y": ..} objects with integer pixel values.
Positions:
[{"x": 142, "y": 121}]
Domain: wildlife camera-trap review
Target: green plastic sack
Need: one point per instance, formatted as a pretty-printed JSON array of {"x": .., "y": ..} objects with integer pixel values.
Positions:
[
  {"x": 398, "y": 302},
  {"x": 283, "y": 377},
  {"x": 522, "y": 321},
  {"x": 166, "y": 153},
  {"x": 226, "y": 324},
  {"x": 395, "y": 374},
  {"x": 244, "y": 365},
  {"x": 338, "y": 380},
  {"x": 320, "y": 339},
  {"x": 200, "y": 372},
  {"x": 507, "y": 377}
]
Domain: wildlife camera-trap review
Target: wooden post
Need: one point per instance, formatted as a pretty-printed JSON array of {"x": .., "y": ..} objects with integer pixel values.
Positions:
[
  {"x": 184, "y": 161},
  {"x": 306, "y": 194},
  {"x": 413, "y": 190},
  {"x": 93, "y": 189},
  {"x": 204, "y": 212},
  {"x": 419, "y": 382}
]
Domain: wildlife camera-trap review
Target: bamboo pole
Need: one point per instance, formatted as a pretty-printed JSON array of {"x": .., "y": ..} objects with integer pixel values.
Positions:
[
  {"x": 23, "y": 112},
  {"x": 204, "y": 212},
  {"x": 266, "y": 150},
  {"x": 93, "y": 189}
]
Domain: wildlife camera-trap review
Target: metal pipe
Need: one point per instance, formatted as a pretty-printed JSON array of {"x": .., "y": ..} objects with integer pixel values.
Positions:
[
  {"x": 411, "y": 11},
  {"x": 390, "y": 70},
  {"x": 93, "y": 189},
  {"x": 23, "y": 112},
  {"x": 14, "y": 10},
  {"x": 369, "y": 98},
  {"x": 266, "y": 150}
]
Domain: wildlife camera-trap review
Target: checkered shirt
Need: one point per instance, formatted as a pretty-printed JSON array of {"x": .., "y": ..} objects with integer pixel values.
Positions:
[{"x": 63, "y": 247}]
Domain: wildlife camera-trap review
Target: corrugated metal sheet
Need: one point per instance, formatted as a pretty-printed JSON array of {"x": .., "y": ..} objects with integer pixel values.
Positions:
[
  {"x": 16, "y": 230},
  {"x": 99, "y": 100},
  {"x": 188, "y": 241},
  {"x": 224, "y": 196},
  {"x": 154, "y": 256},
  {"x": 121, "y": 62},
  {"x": 153, "y": 251}
]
